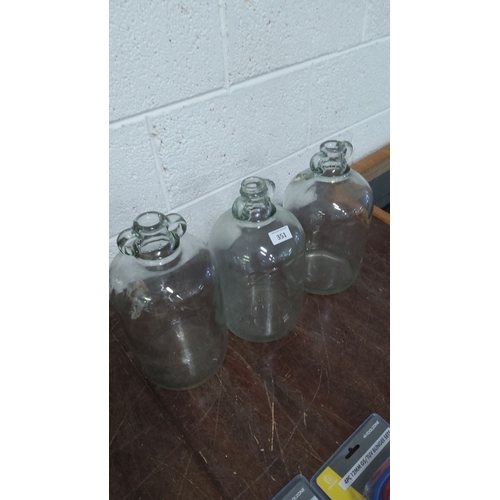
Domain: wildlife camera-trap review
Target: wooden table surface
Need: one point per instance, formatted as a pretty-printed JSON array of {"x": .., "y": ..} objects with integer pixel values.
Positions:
[{"x": 272, "y": 411}]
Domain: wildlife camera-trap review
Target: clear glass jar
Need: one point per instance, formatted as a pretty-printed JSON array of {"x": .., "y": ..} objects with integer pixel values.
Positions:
[
  {"x": 334, "y": 204},
  {"x": 166, "y": 291},
  {"x": 260, "y": 251}
]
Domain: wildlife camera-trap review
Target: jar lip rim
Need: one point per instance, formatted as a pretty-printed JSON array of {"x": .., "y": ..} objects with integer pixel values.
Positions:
[
  {"x": 141, "y": 225},
  {"x": 255, "y": 187},
  {"x": 341, "y": 146}
]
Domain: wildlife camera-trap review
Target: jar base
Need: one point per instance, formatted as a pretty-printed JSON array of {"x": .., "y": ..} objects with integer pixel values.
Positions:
[
  {"x": 327, "y": 274},
  {"x": 258, "y": 339},
  {"x": 160, "y": 383}
]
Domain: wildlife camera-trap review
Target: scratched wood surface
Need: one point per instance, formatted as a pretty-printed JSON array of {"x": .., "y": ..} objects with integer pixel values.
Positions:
[{"x": 272, "y": 411}]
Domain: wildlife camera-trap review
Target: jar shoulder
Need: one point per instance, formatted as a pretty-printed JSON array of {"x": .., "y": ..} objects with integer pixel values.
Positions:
[
  {"x": 351, "y": 190},
  {"x": 232, "y": 235},
  {"x": 193, "y": 262}
]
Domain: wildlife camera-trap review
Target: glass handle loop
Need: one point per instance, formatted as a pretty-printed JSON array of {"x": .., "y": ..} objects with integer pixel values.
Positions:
[
  {"x": 176, "y": 224},
  {"x": 348, "y": 149},
  {"x": 271, "y": 187},
  {"x": 316, "y": 161},
  {"x": 127, "y": 242}
]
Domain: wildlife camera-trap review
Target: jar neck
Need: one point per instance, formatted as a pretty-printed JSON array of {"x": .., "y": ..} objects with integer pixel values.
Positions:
[
  {"x": 331, "y": 161},
  {"x": 152, "y": 237},
  {"x": 162, "y": 263},
  {"x": 254, "y": 204}
]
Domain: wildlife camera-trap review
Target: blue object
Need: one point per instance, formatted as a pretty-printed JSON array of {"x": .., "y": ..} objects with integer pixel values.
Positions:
[{"x": 379, "y": 484}]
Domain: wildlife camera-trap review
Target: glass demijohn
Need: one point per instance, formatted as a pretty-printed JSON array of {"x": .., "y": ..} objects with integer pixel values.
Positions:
[
  {"x": 334, "y": 204},
  {"x": 166, "y": 291},
  {"x": 260, "y": 250}
]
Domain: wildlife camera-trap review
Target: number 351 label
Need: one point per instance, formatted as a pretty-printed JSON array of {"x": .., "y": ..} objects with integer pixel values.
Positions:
[{"x": 280, "y": 235}]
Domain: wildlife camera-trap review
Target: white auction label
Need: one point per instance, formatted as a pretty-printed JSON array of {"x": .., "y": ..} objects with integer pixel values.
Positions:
[{"x": 280, "y": 235}]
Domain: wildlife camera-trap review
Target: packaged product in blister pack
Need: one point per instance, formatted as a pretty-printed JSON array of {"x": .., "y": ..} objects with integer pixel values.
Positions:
[
  {"x": 378, "y": 488},
  {"x": 359, "y": 469},
  {"x": 297, "y": 489}
]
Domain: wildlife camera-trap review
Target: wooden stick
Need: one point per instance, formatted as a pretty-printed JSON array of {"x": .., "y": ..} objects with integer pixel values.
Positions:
[{"x": 382, "y": 215}]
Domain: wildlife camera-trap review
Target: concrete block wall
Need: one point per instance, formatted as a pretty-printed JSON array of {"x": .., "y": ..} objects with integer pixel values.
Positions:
[{"x": 206, "y": 93}]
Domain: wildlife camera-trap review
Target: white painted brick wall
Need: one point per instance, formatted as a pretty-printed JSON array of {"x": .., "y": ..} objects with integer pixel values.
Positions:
[
  {"x": 266, "y": 35},
  {"x": 205, "y": 93},
  {"x": 161, "y": 52}
]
